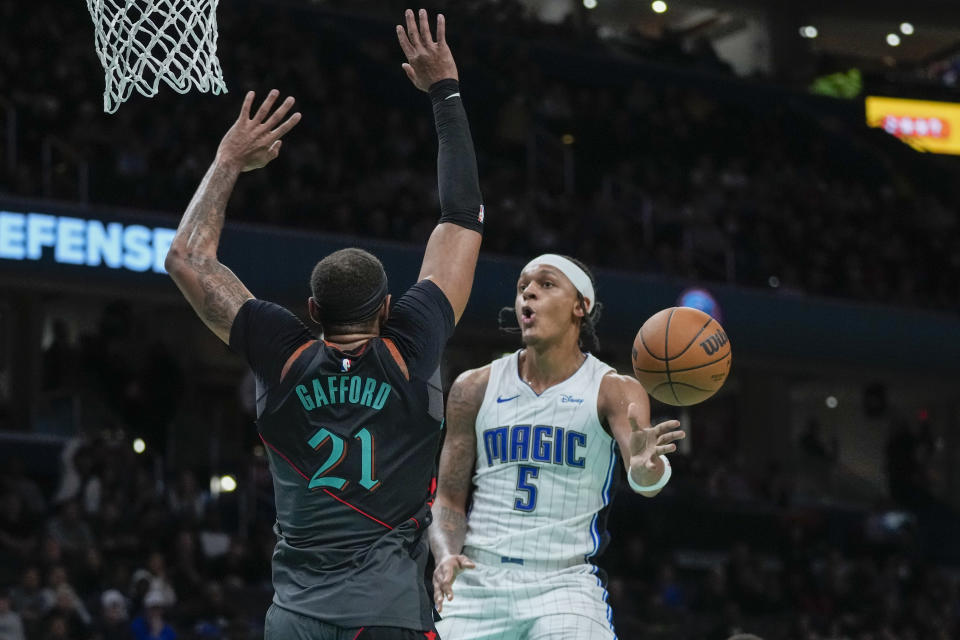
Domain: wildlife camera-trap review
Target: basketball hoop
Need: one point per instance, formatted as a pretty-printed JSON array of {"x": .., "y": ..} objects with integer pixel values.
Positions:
[{"x": 141, "y": 42}]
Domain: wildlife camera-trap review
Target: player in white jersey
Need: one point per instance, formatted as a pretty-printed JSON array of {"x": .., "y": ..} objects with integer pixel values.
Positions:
[{"x": 538, "y": 433}]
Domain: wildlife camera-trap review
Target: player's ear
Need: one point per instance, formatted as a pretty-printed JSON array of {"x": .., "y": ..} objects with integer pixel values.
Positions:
[
  {"x": 385, "y": 310},
  {"x": 580, "y": 309},
  {"x": 313, "y": 309}
]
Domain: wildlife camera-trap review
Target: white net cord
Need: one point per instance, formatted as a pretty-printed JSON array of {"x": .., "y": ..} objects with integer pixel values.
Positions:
[{"x": 140, "y": 42}]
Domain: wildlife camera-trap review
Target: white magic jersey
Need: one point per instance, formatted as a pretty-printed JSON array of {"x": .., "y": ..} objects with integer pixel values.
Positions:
[{"x": 544, "y": 468}]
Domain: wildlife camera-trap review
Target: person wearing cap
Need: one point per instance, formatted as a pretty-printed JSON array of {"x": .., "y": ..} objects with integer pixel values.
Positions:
[
  {"x": 350, "y": 422},
  {"x": 152, "y": 624},
  {"x": 113, "y": 623},
  {"x": 536, "y": 435}
]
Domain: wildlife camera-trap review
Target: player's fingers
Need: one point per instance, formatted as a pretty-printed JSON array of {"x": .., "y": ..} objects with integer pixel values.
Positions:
[
  {"x": 441, "y": 29},
  {"x": 404, "y": 42},
  {"x": 665, "y": 449},
  {"x": 266, "y": 106},
  {"x": 284, "y": 128},
  {"x": 410, "y": 72},
  {"x": 668, "y": 425},
  {"x": 671, "y": 436},
  {"x": 425, "y": 36},
  {"x": 275, "y": 148},
  {"x": 247, "y": 102},
  {"x": 280, "y": 112},
  {"x": 466, "y": 563},
  {"x": 412, "y": 31}
]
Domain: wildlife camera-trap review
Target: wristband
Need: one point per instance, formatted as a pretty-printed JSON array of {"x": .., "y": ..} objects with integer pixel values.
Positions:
[
  {"x": 659, "y": 484},
  {"x": 443, "y": 89}
]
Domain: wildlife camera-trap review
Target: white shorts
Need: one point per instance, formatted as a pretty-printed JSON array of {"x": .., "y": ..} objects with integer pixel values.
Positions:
[{"x": 495, "y": 603}]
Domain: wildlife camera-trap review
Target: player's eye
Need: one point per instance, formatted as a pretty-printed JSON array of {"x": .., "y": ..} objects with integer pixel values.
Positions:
[{"x": 547, "y": 284}]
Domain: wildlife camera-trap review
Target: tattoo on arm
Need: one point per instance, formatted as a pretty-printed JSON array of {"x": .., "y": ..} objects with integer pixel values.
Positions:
[
  {"x": 456, "y": 463},
  {"x": 223, "y": 293},
  {"x": 453, "y": 523},
  {"x": 212, "y": 289}
]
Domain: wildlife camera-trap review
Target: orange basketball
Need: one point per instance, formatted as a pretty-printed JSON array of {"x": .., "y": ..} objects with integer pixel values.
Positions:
[{"x": 681, "y": 356}]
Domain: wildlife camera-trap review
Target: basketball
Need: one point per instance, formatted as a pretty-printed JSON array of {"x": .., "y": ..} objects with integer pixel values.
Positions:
[{"x": 681, "y": 356}]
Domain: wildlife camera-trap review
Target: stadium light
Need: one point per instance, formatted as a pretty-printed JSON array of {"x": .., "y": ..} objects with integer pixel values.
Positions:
[
  {"x": 893, "y": 40},
  {"x": 906, "y": 28},
  {"x": 832, "y": 402},
  {"x": 809, "y": 31},
  {"x": 228, "y": 483},
  {"x": 139, "y": 445},
  {"x": 590, "y": 4},
  {"x": 659, "y": 6},
  {"x": 773, "y": 281}
]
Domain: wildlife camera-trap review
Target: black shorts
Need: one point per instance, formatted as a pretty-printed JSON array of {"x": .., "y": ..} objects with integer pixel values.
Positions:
[{"x": 282, "y": 624}]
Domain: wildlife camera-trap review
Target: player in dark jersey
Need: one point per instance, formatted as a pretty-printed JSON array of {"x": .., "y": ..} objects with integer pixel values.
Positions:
[{"x": 351, "y": 422}]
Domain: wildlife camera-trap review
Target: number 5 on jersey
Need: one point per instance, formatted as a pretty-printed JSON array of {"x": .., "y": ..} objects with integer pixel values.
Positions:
[
  {"x": 524, "y": 474},
  {"x": 338, "y": 451}
]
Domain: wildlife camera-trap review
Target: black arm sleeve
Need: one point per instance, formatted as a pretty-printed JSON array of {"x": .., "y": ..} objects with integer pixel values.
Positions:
[
  {"x": 420, "y": 324},
  {"x": 460, "y": 200},
  {"x": 266, "y": 334}
]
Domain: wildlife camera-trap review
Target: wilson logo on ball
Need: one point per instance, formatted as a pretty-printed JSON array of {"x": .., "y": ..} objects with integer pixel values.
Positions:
[{"x": 712, "y": 344}]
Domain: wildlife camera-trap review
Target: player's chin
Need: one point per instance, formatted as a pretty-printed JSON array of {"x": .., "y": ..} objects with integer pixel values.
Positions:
[{"x": 530, "y": 337}]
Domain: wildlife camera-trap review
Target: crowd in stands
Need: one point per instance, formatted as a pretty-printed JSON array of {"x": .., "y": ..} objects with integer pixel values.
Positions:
[
  {"x": 664, "y": 176},
  {"x": 668, "y": 178},
  {"x": 115, "y": 549},
  {"x": 112, "y": 555},
  {"x": 115, "y": 545}
]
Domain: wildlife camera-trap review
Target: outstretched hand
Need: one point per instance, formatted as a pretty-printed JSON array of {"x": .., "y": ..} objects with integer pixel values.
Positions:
[
  {"x": 254, "y": 141},
  {"x": 648, "y": 443},
  {"x": 444, "y": 574},
  {"x": 427, "y": 61}
]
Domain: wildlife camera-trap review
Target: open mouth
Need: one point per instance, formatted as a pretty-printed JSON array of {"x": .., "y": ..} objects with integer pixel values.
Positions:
[{"x": 526, "y": 316}]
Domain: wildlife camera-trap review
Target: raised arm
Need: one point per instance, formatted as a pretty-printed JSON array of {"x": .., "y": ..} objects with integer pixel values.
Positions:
[
  {"x": 451, "y": 255},
  {"x": 457, "y": 461},
  {"x": 212, "y": 289},
  {"x": 624, "y": 406}
]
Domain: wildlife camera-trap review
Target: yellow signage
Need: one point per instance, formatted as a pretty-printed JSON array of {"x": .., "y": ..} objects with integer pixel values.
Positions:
[{"x": 923, "y": 124}]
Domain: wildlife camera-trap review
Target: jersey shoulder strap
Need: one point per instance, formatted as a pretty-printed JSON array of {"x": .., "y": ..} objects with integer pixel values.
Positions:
[{"x": 499, "y": 369}]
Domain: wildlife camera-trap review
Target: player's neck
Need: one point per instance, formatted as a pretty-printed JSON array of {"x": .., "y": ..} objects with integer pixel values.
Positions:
[
  {"x": 349, "y": 341},
  {"x": 543, "y": 366}
]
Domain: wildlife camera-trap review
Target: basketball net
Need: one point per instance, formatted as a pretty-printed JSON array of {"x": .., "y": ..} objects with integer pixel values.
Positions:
[{"x": 141, "y": 42}]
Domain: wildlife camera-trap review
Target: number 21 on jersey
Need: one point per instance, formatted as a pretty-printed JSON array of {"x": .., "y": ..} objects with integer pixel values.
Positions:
[{"x": 338, "y": 451}]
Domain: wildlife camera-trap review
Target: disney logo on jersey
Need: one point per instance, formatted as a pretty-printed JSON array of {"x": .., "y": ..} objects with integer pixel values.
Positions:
[
  {"x": 568, "y": 398},
  {"x": 535, "y": 443}
]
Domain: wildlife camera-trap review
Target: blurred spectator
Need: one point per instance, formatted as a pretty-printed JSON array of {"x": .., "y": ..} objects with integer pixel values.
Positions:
[
  {"x": 15, "y": 479},
  {"x": 158, "y": 584},
  {"x": 114, "y": 622},
  {"x": 152, "y": 625},
  {"x": 18, "y": 538},
  {"x": 186, "y": 499},
  {"x": 28, "y": 600},
  {"x": 61, "y": 598},
  {"x": 11, "y": 627},
  {"x": 69, "y": 531}
]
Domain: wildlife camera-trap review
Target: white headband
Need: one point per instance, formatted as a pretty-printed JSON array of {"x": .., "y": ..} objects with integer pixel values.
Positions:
[{"x": 576, "y": 275}]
